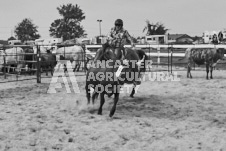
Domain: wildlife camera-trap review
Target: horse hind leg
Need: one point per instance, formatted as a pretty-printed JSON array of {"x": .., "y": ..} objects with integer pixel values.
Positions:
[
  {"x": 132, "y": 92},
  {"x": 87, "y": 94},
  {"x": 114, "y": 105},
  {"x": 94, "y": 97}
]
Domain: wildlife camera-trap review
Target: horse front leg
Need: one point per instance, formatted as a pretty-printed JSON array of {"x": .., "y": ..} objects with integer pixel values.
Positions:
[
  {"x": 102, "y": 100},
  {"x": 114, "y": 105},
  {"x": 87, "y": 93}
]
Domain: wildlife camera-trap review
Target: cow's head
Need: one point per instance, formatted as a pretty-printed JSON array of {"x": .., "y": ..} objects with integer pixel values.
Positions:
[{"x": 221, "y": 52}]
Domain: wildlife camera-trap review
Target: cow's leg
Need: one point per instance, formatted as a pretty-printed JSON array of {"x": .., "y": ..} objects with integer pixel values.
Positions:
[
  {"x": 102, "y": 100},
  {"x": 85, "y": 65},
  {"x": 52, "y": 69},
  {"x": 47, "y": 71},
  {"x": 78, "y": 67},
  {"x": 189, "y": 71},
  {"x": 114, "y": 105},
  {"x": 207, "y": 71},
  {"x": 211, "y": 72}
]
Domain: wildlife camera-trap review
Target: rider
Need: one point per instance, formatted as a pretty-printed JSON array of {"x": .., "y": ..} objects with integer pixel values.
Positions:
[
  {"x": 215, "y": 40},
  {"x": 118, "y": 37}
]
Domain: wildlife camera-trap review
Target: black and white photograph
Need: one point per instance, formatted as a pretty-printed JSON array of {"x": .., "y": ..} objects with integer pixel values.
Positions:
[{"x": 112, "y": 75}]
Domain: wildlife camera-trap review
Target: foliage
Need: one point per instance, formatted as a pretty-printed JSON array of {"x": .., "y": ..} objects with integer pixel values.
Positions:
[
  {"x": 26, "y": 30},
  {"x": 69, "y": 26},
  {"x": 11, "y": 38},
  {"x": 155, "y": 29}
]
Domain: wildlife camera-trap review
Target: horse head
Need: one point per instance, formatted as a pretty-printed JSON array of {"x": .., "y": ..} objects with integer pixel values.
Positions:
[{"x": 106, "y": 53}]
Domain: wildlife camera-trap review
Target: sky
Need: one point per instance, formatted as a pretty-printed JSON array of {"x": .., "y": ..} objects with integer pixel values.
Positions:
[{"x": 191, "y": 17}]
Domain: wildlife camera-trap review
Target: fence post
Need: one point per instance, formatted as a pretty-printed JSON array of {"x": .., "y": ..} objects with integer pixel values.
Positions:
[
  {"x": 64, "y": 52},
  {"x": 4, "y": 65},
  {"x": 158, "y": 59},
  {"x": 149, "y": 55},
  {"x": 38, "y": 65},
  {"x": 171, "y": 59},
  {"x": 168, "y": 56},
  {"x": 17, "y": 62},
  {"x": 84, "y": 59}
]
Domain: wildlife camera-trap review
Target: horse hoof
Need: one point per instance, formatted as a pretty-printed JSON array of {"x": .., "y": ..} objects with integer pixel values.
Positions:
[
  {"x": 131, "y": 96},
  {"x": 110, "y": 115}
]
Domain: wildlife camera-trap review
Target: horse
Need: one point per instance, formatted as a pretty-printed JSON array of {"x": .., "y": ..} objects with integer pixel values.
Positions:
[
  {"x": 109, "y": 86},
  {"x": 138, "y": 56}
]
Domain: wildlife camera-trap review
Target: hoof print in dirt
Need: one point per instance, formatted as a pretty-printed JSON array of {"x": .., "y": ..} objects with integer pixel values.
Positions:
[
  {"x": 66, "y": 131},
  {"x": 70, "y": 140},
  {"x": 57, "y": 147}
]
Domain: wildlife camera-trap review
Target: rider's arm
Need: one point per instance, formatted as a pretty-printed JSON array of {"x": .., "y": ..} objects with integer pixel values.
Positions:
[
  {"x": 110, "y": 34},
  {"x": 129, "y": 38}
]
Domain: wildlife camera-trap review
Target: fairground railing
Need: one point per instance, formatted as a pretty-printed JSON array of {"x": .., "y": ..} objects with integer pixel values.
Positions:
[{"x": 161, "y": 55}]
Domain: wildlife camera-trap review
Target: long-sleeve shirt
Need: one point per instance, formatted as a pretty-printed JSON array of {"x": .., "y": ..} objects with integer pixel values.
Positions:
[{"x": 119, "y": 37}]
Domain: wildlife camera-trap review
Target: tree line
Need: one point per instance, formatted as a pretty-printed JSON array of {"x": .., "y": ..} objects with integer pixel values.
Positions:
[{"x": 69, "y": 26}]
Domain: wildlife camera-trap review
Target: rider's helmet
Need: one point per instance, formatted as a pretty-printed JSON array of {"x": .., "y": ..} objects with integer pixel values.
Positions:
[{"x": 119, "y": 22}]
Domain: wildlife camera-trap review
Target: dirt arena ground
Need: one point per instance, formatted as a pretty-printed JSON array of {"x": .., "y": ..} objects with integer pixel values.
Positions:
[{"x": 189, "y": 114}]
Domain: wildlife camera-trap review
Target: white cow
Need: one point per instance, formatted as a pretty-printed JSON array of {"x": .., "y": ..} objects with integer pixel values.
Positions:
[
  {"x": 74, "y": 53},
  {"x": 13, "y": 57}
]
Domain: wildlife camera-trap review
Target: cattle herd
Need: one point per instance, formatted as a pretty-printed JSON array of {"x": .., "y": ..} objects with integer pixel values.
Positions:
[
  {"x": 115, "y": 72},
  {"x": 25, "y": 58}
]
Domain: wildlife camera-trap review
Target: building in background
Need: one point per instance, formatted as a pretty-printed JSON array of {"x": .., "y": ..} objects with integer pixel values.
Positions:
[
  {"x": 180, "y": 39},
  {"x": 208, "y": 36},
  {"x": 156, "y": 39},
  {"x": 14, "y": 42}
]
